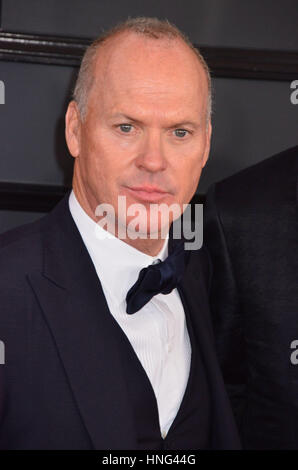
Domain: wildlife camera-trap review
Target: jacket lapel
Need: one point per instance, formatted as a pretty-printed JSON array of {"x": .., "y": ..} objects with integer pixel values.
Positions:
[
  {"x": 193, "y": 293},
  {"x": 75, "y": 309}
]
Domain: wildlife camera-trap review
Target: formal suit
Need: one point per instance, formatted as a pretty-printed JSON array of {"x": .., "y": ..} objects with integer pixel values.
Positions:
[
  {"x": 71, "y": 379},
  {"x": 251, "y": 232}
]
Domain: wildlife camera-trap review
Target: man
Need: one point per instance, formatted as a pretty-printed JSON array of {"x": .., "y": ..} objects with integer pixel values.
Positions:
[
  {"x": 89, "y": 362},
  {"x": 251, "y": 231}
]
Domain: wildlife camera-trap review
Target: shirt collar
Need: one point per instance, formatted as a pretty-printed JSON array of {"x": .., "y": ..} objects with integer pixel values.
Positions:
[{"x": 117, "y": 263}]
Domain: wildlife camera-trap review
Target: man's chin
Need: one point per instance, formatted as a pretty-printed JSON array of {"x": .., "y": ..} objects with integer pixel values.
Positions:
[{"x": 142, "y": 229}]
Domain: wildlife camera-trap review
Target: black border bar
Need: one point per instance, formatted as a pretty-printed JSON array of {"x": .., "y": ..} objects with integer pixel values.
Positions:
[
  {"x": 30, "y": 197},
  {"x": 223, "y": 61}
]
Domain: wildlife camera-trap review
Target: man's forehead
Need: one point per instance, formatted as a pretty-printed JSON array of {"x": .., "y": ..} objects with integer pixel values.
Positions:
[
  {"x": 159, "y": 91},
  {"x": 151, "y": 100}
]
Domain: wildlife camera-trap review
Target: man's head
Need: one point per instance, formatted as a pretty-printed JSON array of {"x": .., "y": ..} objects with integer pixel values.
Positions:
[{"x": 139, "y": 125}]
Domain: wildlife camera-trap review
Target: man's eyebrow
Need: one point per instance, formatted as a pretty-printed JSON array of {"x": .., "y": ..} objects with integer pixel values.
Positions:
[
  {"x": 171, "y": 126},
  {"x": 185, "y": 124},
  {"x": 124, "y": 116}
]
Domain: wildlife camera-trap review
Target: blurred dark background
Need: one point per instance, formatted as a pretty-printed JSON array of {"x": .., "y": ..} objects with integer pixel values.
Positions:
[{"x": 251, "y": 48}]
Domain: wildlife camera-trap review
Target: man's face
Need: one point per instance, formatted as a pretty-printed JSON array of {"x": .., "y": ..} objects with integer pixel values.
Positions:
[{"x": 145, "y": 134}]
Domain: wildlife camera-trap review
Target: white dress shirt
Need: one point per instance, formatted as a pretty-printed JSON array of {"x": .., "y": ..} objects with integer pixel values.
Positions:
[{"x": 157, "y": 332}]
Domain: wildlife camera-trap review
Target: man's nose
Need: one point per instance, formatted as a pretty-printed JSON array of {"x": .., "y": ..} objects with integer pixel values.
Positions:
[{"x": 151, "y": 156}]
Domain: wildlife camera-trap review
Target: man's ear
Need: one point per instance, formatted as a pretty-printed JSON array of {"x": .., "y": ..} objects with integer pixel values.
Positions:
[
  {"x": 208, "y": 141},
  {"x": 73, "y": 129}
]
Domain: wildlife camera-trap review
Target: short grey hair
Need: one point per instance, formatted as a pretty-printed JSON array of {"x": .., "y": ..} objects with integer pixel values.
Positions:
[{"x": 150, "y": 27}]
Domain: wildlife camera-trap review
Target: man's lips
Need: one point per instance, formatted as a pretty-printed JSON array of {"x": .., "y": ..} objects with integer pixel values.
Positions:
[{"x": 147, "y": 193}]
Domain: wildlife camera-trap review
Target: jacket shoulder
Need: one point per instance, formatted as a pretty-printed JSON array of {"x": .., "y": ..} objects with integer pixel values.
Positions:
[{"x": 274, "y": 180}]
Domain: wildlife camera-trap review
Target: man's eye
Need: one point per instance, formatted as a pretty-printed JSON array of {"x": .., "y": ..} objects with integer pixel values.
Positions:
[
  {"x": 180, "y": 132},
  {"x": 125, "y": 127}
]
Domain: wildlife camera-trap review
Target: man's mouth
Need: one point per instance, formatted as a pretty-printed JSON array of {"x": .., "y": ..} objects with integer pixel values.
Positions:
[{"x": 147, "y": 193}]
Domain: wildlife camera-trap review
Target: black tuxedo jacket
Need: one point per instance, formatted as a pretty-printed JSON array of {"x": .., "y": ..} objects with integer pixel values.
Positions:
[
  {"x": 251, "y": 232},
  {"x": 62, "y": 384}
]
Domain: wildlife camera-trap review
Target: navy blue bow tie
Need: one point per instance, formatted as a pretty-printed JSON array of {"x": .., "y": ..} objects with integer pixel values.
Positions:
[{"x": 159, "y": 278}]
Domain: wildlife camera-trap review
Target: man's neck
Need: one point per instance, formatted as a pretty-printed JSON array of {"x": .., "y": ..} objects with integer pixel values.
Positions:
[{"x": 148, "y": 246}]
